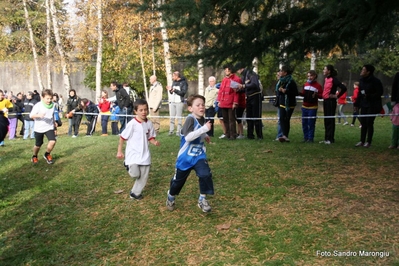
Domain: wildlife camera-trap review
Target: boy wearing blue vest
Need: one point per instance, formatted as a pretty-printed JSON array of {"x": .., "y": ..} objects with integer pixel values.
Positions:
[{"x": 192, "y": 155}]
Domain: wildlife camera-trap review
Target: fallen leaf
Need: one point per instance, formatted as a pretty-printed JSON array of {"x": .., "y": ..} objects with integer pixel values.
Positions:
[
  {"x": 120, "y": 191},
  {"x": 223, "y": 227}
]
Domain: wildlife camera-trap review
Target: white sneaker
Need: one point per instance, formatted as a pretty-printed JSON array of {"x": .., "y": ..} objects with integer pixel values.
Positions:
[
  {"x": 204, "y": 205},
  {"x": 222, "y": 136},
  {"x": 327, "y": 142},
  {"x": 345, "y": 123},
  {"x": 240, "y": 137},
  {"x": 352, "y": 125},
  {"x": 74, "y": 136}
]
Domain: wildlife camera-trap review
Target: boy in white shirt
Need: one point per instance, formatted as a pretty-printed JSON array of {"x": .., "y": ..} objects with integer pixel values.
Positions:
[
  {"x": 139, "y": 132},
  {"x": 43, "y": 114}
]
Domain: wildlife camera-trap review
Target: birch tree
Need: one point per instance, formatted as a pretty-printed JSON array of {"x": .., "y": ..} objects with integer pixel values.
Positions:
[
  {"x": 99, "y": 48},
  {"x": 48, "y": 45},
  {"x": 63, "y": 58},
  {"x": 33, "y": 46},
  {"x": 166, "y": 52}
]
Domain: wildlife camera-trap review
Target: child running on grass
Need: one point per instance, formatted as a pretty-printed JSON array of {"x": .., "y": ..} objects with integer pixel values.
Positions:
[
  {"x": 139, "y": 132},
  {"x": 192, "y": 155},
  {"x": 43, "y": 114}
]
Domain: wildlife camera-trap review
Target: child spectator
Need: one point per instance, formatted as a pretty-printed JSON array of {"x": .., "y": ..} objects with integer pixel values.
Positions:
[
  {"x": 353, "y": 99},
  {"x": 29, "y": 122},
  {"x": 43, "y": 114},
  {"x": 114, "y": 118},
  {"x": 312, "y": 91},
  {"x": 139, "y": 132},
  {"x": 91, "y": 111},
  {"x": 104, "y": 106},
  {"x": 192, "y": 155},
  {"x": 341, "y": 103},
  {"x": 395, "y": 127}
]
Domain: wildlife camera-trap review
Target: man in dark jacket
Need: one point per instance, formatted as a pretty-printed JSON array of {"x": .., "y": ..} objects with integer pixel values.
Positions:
[
  {"x": 73, "y": 118},
  {"x": 28, "y": 122},
  {"x": 124, "y": 104},
  {"x": 369, "y": 102},
  {"x": 395, "y": 89},
  {"x": 253, "y": 93}
]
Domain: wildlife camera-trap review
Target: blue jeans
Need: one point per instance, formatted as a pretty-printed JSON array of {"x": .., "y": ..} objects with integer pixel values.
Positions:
[
  {"x": 123, "y": 119},
  {"x": 104, "y": 123},
  {"x": 308, "y": 124},
  {"x": 204, "y": 178},
  {"x": 29, "y": 127}
]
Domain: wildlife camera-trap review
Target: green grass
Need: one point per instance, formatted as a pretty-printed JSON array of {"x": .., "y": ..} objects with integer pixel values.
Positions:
[{"x": 275, "y": 203}]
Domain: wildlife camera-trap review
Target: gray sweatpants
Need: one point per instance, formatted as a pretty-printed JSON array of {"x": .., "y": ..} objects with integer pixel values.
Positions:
[{"x": 140, "y": 173}]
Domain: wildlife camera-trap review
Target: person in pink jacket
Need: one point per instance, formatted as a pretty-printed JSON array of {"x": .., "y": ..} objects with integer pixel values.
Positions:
[{"x": 228, "y": 101}]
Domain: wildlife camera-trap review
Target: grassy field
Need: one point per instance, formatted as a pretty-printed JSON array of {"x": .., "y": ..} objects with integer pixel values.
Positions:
[{"x": 275, "y": 203}]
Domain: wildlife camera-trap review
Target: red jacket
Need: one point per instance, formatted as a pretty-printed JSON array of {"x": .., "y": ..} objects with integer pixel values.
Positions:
[
  {"x": 104, "y": 105},
  {"x": 228, "y": 96},
  {"x": 342, "y": 99}
]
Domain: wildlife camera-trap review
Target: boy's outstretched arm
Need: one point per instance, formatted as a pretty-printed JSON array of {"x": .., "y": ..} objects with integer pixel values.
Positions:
[
  {"x": 154, "y": 142},
  {"x": 119, "y": 154}
]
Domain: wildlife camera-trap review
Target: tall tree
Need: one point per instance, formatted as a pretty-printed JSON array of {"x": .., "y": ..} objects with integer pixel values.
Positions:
[
  {"x": 33, "y": 46},
  {"x": 60, "y": 47},
  {"x": 304, "y": 26}
]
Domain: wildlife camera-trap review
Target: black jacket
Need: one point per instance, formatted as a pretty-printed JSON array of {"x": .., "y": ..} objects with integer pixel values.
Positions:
[
  {"x": 28, "y": 105},
  {"x": 123, "y": 98},
  {"x": 90, "y": 109},
  {"x": 251, "y": 81},
  {"x": 370, "y": 92},
  {"x": 17, "y": 109},
  {"x": 180, "y": 87},
  {"x": 73, "y": 103}
]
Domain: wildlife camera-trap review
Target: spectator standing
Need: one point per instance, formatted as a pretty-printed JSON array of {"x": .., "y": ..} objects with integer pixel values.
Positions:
[
  {"x": 29, "y": 122},
  {"x": 353, "y": 99},
  {"x": 176, "y": 101},
  {"x": 331, "y": 84},
  {"x": 74, "y": 119},
  {"x": 114, "y": 118},
  {"x": 395, "y": 127},
  {"x": 253, "y": 105},
  {"x": 341, "y": 104},
  {"x": 105, "y": 107},
  {"x": 369, "y": 102},
  {"x": 395, "y": 89},
  {"x": 125, "y": 104},
  {"x": 228, "y": 101},
  {"x": 286, "y": 90},
  {"x": 312, "y": 91},
  {"x": 154, "y": 102},
  {"x": 211, "y": 94}
]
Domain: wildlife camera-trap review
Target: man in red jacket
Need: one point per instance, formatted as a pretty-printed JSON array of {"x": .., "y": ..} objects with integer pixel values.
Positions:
[{"x": 228, "y": 100}]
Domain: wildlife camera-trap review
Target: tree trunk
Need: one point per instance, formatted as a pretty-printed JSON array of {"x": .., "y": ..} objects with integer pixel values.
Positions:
[
  {"x": 166, "y": 53},
  {"x": 99, "y": 48},
  {"x": 142, "y": 64},
  {"x": 63, "y": 58},
  {"x": 33, "y": 44},
  {"x": 200, "y": 78},
  {"x": 48, "y": 42}
]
